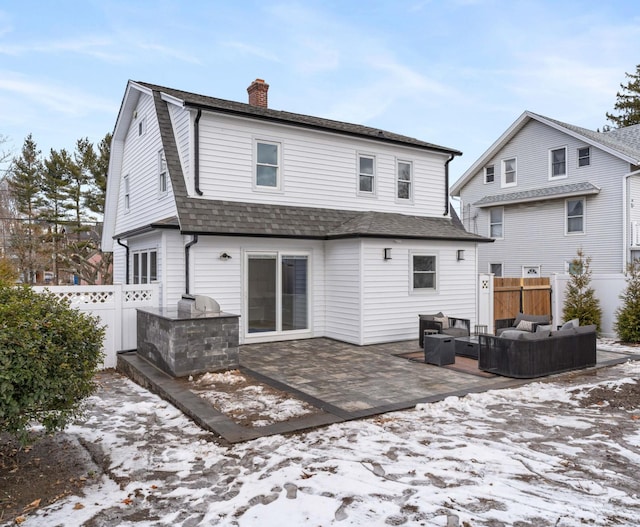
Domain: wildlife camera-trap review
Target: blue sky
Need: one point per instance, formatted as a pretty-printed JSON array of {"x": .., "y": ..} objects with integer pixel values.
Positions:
[{"x": 456, "y": 73}]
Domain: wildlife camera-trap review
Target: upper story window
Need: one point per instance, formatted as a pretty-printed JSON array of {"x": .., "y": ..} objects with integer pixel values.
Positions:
[
  {"x": 366, "y": 174},
  {"x": 584, "y": 156},
  {"x": 489, "y": 174},
  {"x": 162, "y": 173},
  {"x": 127, "y": 198},
  {"x": 405, "y": 178},
  {"x": 142, "y": 126},
  {"x": 558, "y": 163},
  {"x": 267, "y": 165},
  {"x": 424, "y": 271},
  {"x": 145, "y": 267},
  {"x": 575, "y": 209},
  {"x": 509, "y": 172},
  {"x": 496, "y": 222}
]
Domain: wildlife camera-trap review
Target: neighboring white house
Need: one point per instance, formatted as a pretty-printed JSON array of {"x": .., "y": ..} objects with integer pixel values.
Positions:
[
  {"x": 304, "y": 226},
  {"x": 545, "y": 189}
]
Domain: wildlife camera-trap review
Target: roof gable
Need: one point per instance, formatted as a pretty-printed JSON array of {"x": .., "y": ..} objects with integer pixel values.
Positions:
[
  {"x": 293, "y": 119},
  {"x": 623, "y": 143}
]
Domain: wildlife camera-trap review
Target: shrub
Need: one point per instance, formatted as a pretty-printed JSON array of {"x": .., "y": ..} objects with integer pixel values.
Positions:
[
  {"x": 627, "y": 324},
  {"x": 580, "y": 301},
  {"x": 49, "y": 354}
]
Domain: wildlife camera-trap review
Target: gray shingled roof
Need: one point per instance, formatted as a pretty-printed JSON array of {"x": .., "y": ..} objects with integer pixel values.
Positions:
[
  {"x": 229, "y": 218},
  {"x": 538, "y": 194},
  {"x": 307, "y": 121}
]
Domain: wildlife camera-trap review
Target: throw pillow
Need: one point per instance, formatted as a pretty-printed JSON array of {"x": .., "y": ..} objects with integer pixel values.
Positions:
[
  {"x": 544, "y": 327},
  {"x": 443, "y": 320},
  {"x": 574, "y": 323},
  {"x": 511, "y": 334},
  {"x": 526, "y": 325}
]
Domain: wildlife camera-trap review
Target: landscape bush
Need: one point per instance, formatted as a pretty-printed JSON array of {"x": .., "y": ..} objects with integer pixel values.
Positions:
[
  {"x": 49, "y": 353},
  {"x": 627, "y": 323},
  {"x": 580, "y": 300}
]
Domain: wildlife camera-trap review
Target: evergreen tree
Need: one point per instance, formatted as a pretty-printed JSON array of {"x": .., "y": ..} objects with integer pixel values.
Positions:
[
  {"x": 580, "y": 301},
  {"x": 55, "y": 204},
  {"x": 24, "y": 184},
  {"x": 628, "y": 102},
  {"x": 627, "y": 324}
]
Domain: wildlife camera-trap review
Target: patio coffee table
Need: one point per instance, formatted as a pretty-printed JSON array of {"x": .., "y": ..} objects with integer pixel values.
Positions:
[{"x": 468, "y": 347}]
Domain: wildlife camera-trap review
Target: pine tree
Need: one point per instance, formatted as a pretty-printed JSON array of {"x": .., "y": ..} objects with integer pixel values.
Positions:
[
  {"x": 580, "y": 301},
  {"x": 627, "y": 324},
  {"x": 24, "y": 184},
  {"x": 628, "y": 102}
]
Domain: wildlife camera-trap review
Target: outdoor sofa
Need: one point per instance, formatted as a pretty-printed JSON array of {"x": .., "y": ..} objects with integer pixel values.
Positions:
[
  {"x": 439, "y": 323},
  {"x": 522, "y": 322},
  {"x": 526, "y": 355}
]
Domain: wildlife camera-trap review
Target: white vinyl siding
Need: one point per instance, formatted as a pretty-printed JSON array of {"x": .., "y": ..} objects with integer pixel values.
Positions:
[
  {"x": 389, "y": 308},
  {"x": 317, "y": 168},
  {"x": 140, "y": 164}
]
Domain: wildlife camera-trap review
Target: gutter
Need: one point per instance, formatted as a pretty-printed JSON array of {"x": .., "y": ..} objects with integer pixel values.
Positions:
[
  {"x": 186, "y": 261},
  {"x": 126, "y": 280},
  {"x": 196, "y": 153}
]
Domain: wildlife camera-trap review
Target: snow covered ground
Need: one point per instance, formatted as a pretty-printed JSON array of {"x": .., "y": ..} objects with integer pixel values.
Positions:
[{"x": 531, "y": 456}]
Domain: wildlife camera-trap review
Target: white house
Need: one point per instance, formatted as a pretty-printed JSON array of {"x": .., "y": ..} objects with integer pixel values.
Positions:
[
  {"x": 304, "y": 226},
  {"x": 545, "y": 189}
]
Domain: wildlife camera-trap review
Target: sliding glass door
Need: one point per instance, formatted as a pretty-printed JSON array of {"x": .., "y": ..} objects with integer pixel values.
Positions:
[{"x": 277, "y": 292}]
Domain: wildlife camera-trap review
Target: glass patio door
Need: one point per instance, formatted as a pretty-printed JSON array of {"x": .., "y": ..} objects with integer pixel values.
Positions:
[{"x": 277, "y": 293}]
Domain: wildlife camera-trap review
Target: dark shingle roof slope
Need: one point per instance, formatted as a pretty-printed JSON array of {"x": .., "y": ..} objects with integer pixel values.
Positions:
[
  {"x": 308, "y": 121},
  {"x": 230, "y": 218}
]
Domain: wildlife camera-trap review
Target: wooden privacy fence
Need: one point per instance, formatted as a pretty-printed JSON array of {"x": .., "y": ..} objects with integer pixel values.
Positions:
[{"x": 521, "y": 295}]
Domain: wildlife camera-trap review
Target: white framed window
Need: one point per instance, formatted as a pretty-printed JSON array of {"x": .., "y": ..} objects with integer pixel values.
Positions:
[
  {"x": 142, "y": 126},
  {"x": 496, "y": 222},
  {"x": 404, "y": 180},
  {"x": 572, "y": 267},
  {"x": 366, "y": 174},
  {"x": 424, "y": 272},
  {"x": 145, "y": 267},
  {"x": 558, "y": 163},
  {"x": 530, "y": 271},
  {"x": 509, "y": 172},
  {"x": 162, "y": 173},
  {"x": 496, "y": 269},
  {"x": 489, "y": 174},
  {"x": 127, "y": 198},
  {"x": 584, "y": 156},
  {"x": 267, "y": 165},
  {"x": 575, "y": 216}
]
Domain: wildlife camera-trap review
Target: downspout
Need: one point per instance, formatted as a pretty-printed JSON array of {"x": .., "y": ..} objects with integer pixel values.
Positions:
[
  {"x": 446, "y": 184},
  {"x": 196, "y": 153},
  {"x": 186, "y": 261},
  {"x": 625, "y": 219},
  {"x": 126, "y": 280}
]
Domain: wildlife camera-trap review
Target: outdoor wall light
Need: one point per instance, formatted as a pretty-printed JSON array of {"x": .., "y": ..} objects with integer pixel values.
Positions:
[
  {"x": 225, "y": 256},
  {"x": 460, "y": 254},
  {"x": 387, "y": 253}
]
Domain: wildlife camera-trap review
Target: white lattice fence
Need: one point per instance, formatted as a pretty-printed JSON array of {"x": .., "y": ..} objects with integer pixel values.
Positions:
[{"x": 116, "y": 306}]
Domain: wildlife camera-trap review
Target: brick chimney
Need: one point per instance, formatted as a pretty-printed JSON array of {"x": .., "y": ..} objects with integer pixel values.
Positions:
[{"x": 258, "y": 93}]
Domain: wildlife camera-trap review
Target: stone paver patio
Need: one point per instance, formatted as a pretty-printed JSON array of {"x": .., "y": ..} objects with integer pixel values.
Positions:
[{"x": 345, "y": 381}]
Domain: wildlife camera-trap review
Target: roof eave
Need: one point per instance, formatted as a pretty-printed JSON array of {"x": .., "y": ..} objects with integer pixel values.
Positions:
[{"x": 533, "y": 199}]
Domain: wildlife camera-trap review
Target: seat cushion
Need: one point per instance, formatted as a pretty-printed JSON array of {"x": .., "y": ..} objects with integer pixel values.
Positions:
[
  {"x": 456, "y": 332},
  {"x": 540, "y": 319}
]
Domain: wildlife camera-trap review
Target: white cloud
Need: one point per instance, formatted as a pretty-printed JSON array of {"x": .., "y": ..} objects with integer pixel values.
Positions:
[
  {"x": 248, "y": 49},
  {"x": 65, "y": 100}
]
